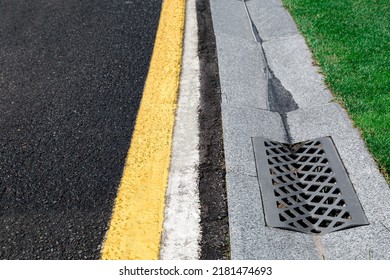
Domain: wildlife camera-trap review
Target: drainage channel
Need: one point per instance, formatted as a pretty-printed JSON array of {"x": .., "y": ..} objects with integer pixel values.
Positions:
[{"x": 304, "y": 186}]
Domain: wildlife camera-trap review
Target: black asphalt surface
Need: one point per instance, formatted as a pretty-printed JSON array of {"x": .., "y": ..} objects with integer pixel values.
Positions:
[{"x": 71, "y": 78}]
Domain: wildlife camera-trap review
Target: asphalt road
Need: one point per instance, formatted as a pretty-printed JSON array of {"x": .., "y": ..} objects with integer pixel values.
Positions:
[{"x": 71, "y": 78}]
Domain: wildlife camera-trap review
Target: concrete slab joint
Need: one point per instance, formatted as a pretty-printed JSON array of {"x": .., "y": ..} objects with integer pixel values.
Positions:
[{"x": 271, "y": 89}]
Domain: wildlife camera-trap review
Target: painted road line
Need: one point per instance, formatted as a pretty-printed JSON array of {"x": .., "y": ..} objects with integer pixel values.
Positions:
[
  {"x": 71, "y": 81},
  {"x": 181, "y": 234},
  {"x": 137, "y": 221}
]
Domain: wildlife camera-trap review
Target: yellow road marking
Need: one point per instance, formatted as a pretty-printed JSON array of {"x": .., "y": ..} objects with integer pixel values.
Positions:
[{"x": 137, "y": 221}]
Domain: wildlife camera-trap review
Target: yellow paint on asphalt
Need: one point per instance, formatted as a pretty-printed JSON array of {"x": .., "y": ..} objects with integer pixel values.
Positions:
[{"x": 137, "y": 221}]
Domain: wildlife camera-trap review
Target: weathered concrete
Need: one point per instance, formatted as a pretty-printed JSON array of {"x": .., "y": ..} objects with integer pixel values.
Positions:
[
  {"x": 243, "y": 66},
  {"x": 181, "y": 234}
]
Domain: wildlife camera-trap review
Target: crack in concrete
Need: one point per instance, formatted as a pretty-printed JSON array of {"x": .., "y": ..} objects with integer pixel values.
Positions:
[
  {"x": 319, "y": 246},
  {"x": 388, "y": 229},
  {"x": 280, "y": 100}
]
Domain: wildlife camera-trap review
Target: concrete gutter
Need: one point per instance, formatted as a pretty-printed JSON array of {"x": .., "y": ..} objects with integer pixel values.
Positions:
[{"x": 243, "y": 61}]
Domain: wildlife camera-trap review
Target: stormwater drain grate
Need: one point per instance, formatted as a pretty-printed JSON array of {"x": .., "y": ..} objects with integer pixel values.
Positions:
[{"x": 305, "y": 187}]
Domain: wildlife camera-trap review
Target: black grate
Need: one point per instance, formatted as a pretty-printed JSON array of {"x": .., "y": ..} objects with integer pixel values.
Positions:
[{"x": 305, "y": 187}]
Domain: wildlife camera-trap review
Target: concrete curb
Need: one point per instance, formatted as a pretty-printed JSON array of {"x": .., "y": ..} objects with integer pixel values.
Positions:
[{"x": 246, "y": 114}]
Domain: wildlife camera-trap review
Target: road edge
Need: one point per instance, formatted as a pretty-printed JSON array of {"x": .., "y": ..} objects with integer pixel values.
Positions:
[
  {"x": 215, "y": 242},
  {"x": 137, "y": 220}
]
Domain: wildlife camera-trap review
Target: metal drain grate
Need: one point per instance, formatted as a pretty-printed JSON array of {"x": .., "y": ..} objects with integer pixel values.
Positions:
[{"x": 305, "y": 187}]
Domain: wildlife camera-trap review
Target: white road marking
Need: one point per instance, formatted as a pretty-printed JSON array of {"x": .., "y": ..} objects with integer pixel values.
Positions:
[{"x": 181, "y": 234}]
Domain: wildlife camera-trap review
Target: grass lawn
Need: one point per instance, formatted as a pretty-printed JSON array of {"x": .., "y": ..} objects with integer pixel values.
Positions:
[{"x": 350, "y": 40}]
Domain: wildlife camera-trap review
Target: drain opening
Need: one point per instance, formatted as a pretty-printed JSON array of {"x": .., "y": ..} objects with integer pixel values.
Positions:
[{"x": 305, "y": 187}]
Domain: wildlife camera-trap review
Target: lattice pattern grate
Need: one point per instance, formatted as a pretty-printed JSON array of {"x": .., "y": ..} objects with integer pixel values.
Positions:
[{"x": 305, "y": 187}]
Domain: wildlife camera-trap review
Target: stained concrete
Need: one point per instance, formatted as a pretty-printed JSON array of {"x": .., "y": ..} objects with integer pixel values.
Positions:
[{"x": 246, "y": 114}]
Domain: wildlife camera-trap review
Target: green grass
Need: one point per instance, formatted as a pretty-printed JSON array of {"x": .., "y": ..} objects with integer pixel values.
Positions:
[{"x": 350, "y": 40}]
